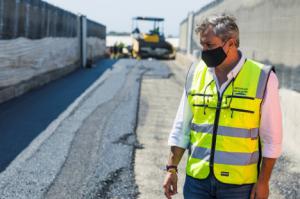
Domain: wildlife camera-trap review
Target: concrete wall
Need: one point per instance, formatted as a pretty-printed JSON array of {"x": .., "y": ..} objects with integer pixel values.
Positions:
[
  {"x": 96, "y": 40},
  {"x": 269, "y": 32},
  {"x": 183, "y": 35},
  {"x": 22, "y": 58},
  {"x": 41, "y": 40}
]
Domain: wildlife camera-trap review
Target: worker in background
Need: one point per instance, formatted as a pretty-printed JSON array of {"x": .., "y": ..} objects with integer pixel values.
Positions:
[
  {"x": 114, "y": 54},
  {"x": 120, "y": 47},
  {"x": 229, "y": 119}
]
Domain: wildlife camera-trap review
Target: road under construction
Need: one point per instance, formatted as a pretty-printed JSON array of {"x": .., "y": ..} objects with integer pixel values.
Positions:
[
  {"x": 76, "y": 124},
  {"x": 111, "y": 141}
]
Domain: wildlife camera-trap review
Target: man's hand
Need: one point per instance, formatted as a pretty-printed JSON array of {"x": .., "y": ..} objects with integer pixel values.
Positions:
[
  {"x": 260, "y": 190},
  {"x": 170, "y": 184}
]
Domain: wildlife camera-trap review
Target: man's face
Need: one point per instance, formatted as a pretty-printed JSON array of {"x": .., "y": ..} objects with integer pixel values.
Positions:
[{"x": 209, "y": 41}]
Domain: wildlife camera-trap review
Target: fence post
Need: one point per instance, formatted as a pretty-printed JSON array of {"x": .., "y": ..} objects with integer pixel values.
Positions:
[
  {"x": 190, "y": 27},
  {"x": 27, "y": 20},
  {"x": 82, "y": 40},
  {"x": 16, "y": 20}
]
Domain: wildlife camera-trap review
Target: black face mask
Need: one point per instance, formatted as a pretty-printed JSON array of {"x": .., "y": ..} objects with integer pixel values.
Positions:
[{"x": 213, "y": 57}]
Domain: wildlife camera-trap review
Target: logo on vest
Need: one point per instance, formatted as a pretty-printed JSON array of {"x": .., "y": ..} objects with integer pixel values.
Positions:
[
  {"x": 240, "y": 91},
  {"x": 224, "y": 173}
]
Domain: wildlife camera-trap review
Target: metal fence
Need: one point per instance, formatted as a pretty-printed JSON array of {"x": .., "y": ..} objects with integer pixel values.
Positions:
[
  {"x": 95, "y": 29},
  {"x": 36, "y": 19}
]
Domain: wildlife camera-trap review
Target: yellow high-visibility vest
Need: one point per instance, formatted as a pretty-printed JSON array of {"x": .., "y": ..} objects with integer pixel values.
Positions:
[{"x": 224, "y": 135}]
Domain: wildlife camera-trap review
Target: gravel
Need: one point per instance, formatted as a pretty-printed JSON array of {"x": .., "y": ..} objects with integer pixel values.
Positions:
[
  {"x": 88, "y": 151},
  {"x": 285, "y": 181}
]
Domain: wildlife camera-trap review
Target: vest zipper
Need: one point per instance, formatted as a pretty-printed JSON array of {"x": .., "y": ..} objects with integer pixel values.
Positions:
[
  {"x": 215, "y": 128},
  {"x": 214, "y": 138},
  {"x": 216, "y": 122}
]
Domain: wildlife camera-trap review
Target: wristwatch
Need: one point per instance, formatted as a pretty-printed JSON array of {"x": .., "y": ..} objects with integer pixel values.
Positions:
[{"x": 171, "y": 168}]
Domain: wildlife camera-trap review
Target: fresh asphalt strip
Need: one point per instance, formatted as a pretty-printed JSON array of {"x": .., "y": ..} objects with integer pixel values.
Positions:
[{"x": 22, "y": 119}]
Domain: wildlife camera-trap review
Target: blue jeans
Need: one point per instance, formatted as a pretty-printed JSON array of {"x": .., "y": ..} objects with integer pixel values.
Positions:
[{"x": 211, "y": 188}]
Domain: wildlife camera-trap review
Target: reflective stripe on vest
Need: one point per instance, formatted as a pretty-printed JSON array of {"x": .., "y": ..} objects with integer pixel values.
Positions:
[
  {"x": 228, "y": 131},
  {"x": 225, "y": 157},
  {"x": 224, "y": 130}
]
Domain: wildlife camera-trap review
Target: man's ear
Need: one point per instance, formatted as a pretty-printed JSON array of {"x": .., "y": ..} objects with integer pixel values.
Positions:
[{"x": 231, "y": 42}]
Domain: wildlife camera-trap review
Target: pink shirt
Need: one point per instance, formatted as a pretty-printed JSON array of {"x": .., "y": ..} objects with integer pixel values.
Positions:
[{"x": 270, "y": 124}]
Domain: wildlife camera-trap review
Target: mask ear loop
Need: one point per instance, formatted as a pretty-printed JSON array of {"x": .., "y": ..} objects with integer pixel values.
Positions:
[{"x": 205, "y": 96}]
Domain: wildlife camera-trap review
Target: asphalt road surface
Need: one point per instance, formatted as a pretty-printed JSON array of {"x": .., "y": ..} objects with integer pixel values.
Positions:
[
  {"x": 25, "y": 117},
  {"x": 102, "y": 133}
]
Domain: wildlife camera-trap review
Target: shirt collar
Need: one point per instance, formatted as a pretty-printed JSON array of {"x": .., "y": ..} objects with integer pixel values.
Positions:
[{"x": 236, "y": 69}]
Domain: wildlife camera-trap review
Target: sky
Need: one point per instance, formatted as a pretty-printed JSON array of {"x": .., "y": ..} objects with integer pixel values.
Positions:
[{"x": 117, "y": 14}]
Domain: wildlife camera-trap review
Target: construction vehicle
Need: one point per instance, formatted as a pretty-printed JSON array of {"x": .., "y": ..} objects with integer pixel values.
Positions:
[{"x": 152, "y": 43}]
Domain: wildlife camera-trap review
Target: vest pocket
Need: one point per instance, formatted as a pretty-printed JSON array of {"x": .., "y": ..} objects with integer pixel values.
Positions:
[
  {"x": 200, "y": 99},
  {"x": 241, "y": 111}
]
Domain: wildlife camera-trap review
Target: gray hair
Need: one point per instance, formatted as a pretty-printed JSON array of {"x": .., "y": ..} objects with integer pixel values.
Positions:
[{"x": 224, "y": 26}]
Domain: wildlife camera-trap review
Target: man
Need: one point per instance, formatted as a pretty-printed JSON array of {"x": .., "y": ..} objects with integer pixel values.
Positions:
[{"x": 229, "y": 119}]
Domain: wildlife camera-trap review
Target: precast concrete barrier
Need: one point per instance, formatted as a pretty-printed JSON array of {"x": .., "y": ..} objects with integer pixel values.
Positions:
[{"x": 40, "y": 42}]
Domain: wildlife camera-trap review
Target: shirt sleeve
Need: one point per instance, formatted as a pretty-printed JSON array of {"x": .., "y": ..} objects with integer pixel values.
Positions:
[
  {"x": 271, "y": 120},
  {"x": 180, "y": 133}
]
